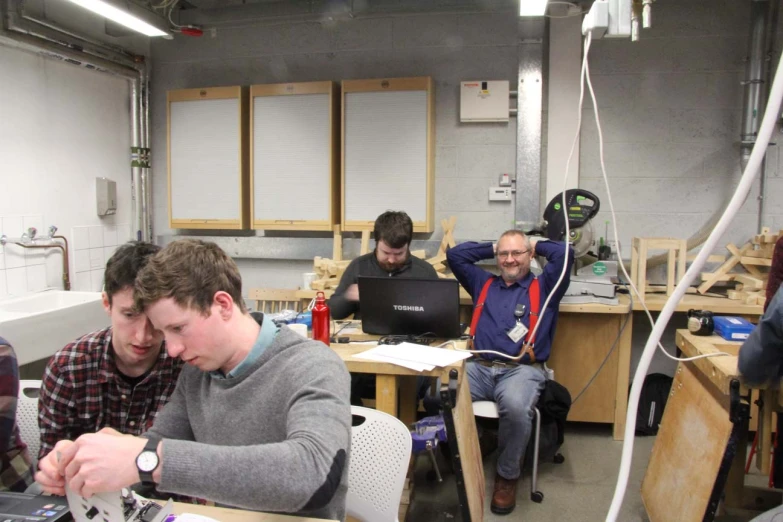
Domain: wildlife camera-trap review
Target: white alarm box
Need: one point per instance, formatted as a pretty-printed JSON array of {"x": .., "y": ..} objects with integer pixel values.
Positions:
[{"x": 484, "y": 101}]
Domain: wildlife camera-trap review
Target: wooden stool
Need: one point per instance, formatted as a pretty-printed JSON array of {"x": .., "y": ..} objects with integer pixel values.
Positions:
[{"x": 640, "y": 246}]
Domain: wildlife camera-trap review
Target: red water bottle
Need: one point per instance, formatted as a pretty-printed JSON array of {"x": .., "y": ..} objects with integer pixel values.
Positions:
[{"x": 320, "y": 315}]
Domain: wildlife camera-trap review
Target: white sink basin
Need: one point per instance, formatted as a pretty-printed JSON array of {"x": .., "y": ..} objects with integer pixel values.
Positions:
[{"x": 37, "y": 325}]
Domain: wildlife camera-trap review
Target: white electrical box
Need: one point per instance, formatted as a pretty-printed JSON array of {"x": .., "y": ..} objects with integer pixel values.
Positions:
[
  {"x": 499, "y": 194},
  {"x": 484, "y": 101},
  {"x": 106, "y": 192}
]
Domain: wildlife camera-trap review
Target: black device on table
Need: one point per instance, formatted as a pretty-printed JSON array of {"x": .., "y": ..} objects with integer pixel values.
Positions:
[
  {"x": 399, "y": 306},
  {"x": 26, "y": 507}
]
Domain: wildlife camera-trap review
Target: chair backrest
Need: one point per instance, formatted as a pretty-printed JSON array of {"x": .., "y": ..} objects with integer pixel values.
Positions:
[
  {"x": 273, "y": 300},
  {"x": 27, "y": 416},
  {"x": 380, "y": 455}
]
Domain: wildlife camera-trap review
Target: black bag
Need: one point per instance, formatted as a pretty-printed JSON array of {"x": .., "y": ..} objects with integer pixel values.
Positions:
[
  {"x": 553, "y": 404},
  {"x": 652, "y": 401}
]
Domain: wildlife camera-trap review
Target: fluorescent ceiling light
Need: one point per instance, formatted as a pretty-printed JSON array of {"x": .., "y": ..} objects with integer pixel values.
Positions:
[
  {"x": 128, "y": 14},
  {"x": 528, "y": 7}
]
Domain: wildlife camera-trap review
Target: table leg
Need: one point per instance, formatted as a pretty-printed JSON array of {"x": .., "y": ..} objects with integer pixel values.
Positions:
[
  {"x": 623, "y": 373},
  {"x": 408, "y": 400},
  {"x": 386, "y": 394}
]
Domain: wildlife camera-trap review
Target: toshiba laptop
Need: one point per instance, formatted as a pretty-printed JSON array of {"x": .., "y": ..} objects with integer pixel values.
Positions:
[
  {"x": 18, "y": 507},
  {"x": 397, "y": 306}
]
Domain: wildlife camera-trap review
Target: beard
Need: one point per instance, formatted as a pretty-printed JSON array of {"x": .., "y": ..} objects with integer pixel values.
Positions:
[{"x": 393, "y": 267}]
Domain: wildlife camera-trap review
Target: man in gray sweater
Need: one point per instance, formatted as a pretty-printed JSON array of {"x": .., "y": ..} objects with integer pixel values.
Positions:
[{"x": 259, "y": 420}]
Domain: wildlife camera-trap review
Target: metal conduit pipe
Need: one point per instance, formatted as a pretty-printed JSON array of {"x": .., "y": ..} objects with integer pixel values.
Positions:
[
  {"x": 49, "y": 40},
  {"x": 20, "y": 20},
  {"x": 756, "y": 83}
]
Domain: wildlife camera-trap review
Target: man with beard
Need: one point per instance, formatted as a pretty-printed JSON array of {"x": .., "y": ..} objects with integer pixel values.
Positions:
[
  {"x": 391, "y": 257},
  {"x": 504, "y": 305}
]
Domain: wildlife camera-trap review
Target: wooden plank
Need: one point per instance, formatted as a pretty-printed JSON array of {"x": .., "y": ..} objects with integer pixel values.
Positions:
[
  {"x": 470, "y": 454},
  {"x": 440, "y": 258},
  {"x": 408, "y": 401},
  {"x": 237, "y": 515},
  {"x": 421, "y": 254},
  {"x": 765, "y": 431},
  {"x": 757, "y": 261},
  {"x": 749, "y": 283},
  {"x": 694, "y": 432},
  {"x": 623, "y": 378},
  {"x": 337, "y": 248},
  {"x": 386, "y": 394},
  {"x": 720, "y": 279},
  {"x": 365, "y": 248},
  {"x": 724, "y": 269},
  {"x": 670, "y": 271}
]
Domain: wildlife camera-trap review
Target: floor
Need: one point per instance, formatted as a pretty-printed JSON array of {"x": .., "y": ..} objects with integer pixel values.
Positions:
[{"x": 581, "y": 488}]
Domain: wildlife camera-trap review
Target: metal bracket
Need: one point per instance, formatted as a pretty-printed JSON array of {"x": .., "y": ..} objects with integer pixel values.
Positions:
[{"x": 739, "y": 413}]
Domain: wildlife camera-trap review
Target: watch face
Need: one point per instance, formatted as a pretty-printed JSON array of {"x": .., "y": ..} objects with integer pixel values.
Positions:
[{"x": 147, "y": 461}]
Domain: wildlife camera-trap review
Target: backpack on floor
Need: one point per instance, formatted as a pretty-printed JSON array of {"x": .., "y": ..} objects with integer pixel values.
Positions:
[
  {"x": 652, "y": 401},
  {"x": 553, "y": 404}
]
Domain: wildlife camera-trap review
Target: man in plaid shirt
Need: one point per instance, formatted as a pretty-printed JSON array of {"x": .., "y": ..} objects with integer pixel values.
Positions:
[
  {"x": 16, "y": 470},
  {"x": 118, "y": 377}
]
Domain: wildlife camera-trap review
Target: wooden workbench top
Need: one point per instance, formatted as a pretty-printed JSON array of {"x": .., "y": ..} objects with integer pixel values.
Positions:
[
  {"x": 464, "y": 300},
  {"x": 718, "y": 305},
  {"x": 721, "y": 369}
]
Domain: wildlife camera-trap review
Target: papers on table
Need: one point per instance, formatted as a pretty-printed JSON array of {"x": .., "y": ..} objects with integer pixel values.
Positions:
[{"x": 418, "y": 357}]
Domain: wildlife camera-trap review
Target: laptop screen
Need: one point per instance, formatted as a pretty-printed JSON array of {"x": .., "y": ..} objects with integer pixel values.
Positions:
[{"x": 398, "y": 306}]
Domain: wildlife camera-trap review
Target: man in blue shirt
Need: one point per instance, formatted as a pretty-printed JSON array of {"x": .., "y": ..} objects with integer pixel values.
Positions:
[{"x": 502, "y": 327}]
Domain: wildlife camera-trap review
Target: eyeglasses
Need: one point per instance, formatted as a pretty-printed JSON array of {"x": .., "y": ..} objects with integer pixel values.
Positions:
[{"x": 512, "y": 253}]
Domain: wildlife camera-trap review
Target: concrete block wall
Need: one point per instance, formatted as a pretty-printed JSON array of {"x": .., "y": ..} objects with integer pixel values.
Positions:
[
  {"x": 670, "y": 107},
  {"x": 450, "y": 47}
]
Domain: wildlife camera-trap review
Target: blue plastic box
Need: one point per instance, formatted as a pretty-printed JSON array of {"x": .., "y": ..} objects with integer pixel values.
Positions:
[{"x": 733, "y": 328}]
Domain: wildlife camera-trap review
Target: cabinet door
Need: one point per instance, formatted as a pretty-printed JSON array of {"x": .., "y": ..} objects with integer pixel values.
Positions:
[
  {"x": 388, "y": 151},
  {"x": 294, "y": 156},
  {"x": 207, "y": 158}
]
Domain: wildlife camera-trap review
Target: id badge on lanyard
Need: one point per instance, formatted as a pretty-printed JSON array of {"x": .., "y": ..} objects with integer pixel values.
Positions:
[{"x": 518, "y": 332}]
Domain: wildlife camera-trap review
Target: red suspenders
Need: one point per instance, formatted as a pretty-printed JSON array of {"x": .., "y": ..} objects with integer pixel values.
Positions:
[{"x": 535, "y": 300}]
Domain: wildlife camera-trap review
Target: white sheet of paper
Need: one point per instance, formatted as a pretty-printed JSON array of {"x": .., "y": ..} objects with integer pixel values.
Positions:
[
  {"x": 413, "y": 365},
  {"x": 415, "y": 353}
]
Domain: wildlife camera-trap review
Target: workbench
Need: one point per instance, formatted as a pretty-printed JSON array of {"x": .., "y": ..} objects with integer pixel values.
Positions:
[{"x": 699, "y": 453}]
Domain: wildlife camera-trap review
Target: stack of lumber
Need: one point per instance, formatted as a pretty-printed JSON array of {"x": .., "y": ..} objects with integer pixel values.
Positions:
[{"x": 755, "y": 257}]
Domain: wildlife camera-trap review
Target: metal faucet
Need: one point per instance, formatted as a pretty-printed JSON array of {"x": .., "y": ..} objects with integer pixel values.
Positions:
[{"x": 27, "y": 240}]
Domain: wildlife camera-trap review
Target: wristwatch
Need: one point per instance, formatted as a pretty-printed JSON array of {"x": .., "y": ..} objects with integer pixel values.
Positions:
[{"x": 148, "y": 460}]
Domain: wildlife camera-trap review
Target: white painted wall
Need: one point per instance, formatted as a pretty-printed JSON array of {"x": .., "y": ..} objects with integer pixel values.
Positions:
[{"x": 62, "y": 126}]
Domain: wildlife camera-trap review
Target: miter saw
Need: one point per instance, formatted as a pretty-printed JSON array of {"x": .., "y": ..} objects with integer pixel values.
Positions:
[{"x": 594, "y": 277}]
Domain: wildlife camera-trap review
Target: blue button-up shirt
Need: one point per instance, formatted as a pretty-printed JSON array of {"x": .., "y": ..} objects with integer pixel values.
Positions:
[{"x": 497, "y": 317}]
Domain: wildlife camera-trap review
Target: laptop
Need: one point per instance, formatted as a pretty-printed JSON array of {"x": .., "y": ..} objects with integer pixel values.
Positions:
[
  {"x": 399, "y": 306},
  {"x": 18, "y": 507}
]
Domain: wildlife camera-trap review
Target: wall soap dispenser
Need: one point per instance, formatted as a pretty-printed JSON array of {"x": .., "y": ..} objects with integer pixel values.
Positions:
[{"x": 106, "y": 191}]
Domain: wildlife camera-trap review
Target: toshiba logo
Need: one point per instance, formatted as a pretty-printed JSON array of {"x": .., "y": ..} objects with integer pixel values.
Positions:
[{"x": 404, "y": 308}]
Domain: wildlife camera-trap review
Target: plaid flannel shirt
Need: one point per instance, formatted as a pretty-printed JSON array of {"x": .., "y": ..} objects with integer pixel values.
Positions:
[
  {"x": 82, "y": 392},
  {"x": 16, "y": 471}
]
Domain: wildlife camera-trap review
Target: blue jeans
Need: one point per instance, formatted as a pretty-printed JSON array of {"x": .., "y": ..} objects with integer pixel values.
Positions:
[{"x": 516, "y": 391}]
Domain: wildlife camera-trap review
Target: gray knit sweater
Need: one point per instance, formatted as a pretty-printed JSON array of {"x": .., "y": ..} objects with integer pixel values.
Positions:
[{"x": 276, "y": 439}]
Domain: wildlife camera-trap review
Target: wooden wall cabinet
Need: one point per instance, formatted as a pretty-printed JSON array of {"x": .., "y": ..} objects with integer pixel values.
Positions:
[
  {"x": 208, "y": 158},
  {"x": 294, "y": 156},
  {"x": 388, "y": 141}
]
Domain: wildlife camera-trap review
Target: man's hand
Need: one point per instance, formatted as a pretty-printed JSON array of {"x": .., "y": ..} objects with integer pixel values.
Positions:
[
  {"x": 352, "y": 292},
  {"x": 99, "y": 462},
  {"x": 50, "y": 475}
]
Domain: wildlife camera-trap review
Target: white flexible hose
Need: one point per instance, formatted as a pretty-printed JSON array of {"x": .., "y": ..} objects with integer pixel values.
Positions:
[{"x": 751, "y": 170}]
